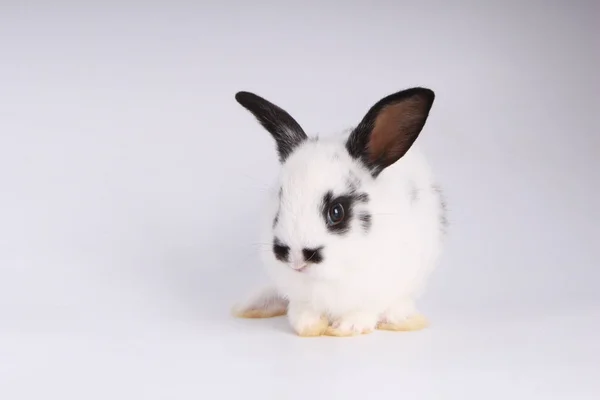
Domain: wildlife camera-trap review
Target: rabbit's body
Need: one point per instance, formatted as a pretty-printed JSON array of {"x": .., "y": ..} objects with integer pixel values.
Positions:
[
  {"x": 351, "y": 274},
  {"x": 368, "y": 269}
]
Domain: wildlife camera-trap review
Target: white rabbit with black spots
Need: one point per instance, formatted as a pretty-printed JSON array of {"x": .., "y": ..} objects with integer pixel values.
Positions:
[{"x": 355, "y": 221}]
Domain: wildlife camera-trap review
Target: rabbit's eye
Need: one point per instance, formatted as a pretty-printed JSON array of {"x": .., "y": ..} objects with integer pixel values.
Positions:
[{"x": 335, "y": 214}]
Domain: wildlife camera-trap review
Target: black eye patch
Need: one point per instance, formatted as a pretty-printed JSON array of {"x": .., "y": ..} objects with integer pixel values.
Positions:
[
  {"x": 281, "y": 251},
  {"x": 337, "y": 212}
]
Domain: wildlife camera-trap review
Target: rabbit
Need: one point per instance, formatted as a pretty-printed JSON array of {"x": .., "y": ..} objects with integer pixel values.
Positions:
[{"x": 355, "y": 222}]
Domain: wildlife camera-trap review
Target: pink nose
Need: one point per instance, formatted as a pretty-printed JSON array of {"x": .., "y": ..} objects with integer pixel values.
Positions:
[{"x": 299, "y": 265}]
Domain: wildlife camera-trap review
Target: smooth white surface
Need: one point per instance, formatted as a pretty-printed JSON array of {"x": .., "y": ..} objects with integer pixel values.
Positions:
[{"x": 130, "y": 181}]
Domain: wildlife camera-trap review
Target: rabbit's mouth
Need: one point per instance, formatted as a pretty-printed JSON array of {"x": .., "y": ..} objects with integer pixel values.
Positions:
[{"x": 299, "y": 266}]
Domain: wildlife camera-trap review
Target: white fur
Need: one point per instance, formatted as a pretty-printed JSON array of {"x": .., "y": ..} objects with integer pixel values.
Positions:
[{"x": 365, "y": 276}]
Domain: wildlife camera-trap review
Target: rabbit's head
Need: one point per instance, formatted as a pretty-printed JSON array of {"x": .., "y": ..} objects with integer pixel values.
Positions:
[{"x": 324, "y": 208}]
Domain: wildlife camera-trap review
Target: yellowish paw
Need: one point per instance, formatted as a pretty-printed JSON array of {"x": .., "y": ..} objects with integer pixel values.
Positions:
[
  {"x": 317, "y": 329},
  {"x": 260, "y": 312},
  {"x": 415, "y": 322},
  {"x": 339, "y": 332},
  {"x": 352, "y": 325}
]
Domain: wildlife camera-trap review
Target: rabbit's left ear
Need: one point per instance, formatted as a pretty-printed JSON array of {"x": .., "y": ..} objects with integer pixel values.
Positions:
[
  {"x": 390, "y": 128},
  {"x": 286, "y": 131}
]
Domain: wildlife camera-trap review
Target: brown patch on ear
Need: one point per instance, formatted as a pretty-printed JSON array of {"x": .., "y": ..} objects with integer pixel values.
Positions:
[{"x": 396, "y": 128}]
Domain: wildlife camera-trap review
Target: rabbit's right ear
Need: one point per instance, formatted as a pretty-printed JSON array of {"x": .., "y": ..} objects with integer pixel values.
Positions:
[
  {"x": 390, "y": 128},
  {"x": 285, "y": 130}
]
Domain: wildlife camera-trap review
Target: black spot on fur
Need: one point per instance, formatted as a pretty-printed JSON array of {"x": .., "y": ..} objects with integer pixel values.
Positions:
[
  {"x": 314, "y": 256},
  {"x": 444, "y": 223},
  {"x": 276, "y": 219},
  {"x": 362, "y": 197},
  {"x": 353, "y": 183},
  {"x": 280, "y": 250},
  {"x": 366, "y": 220},
  {"x": 414, "y": 193}
]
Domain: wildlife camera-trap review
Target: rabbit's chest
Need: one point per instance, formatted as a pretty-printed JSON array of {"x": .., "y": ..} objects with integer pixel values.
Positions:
[{"x": 342, "y": 297}]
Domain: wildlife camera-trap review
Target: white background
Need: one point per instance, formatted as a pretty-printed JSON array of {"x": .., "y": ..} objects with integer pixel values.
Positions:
[{"x": 130, "y": 181}]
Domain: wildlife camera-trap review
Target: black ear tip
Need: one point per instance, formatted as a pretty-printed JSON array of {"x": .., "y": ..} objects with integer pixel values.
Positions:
[
  {"x": 243, "y": 97},
  {"x": 423, "y": 95},
  {"x": 427, "y": 93}
]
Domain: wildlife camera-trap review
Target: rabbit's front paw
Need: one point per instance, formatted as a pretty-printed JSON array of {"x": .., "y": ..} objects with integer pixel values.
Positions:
[
  {"x": 352, "y": 325},
  {"x": 306, "y": 322}
]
